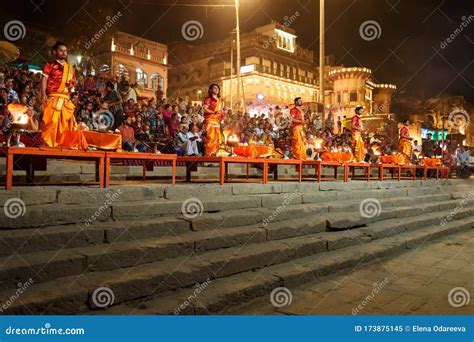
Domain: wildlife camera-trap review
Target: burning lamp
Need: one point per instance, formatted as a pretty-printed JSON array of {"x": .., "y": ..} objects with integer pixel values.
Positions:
[
  {"x": 232, "y": 141},
  {"x": 20, "y": 120}
]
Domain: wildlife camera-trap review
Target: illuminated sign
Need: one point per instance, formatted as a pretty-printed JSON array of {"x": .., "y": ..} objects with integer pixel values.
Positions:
[
  {"x": 247, "y": 68},
  {"x": 436, "y": 135}
]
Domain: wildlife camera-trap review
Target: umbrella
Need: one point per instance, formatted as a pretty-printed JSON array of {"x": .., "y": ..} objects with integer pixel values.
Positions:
[{"x": 8, "y": 52}]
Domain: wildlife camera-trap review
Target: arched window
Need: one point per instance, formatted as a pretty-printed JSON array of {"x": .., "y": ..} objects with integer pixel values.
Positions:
[
  {"x": 104, "y": 68},
  {"x": 157, "y": 81},
  {"x": 141, "y": 78},
  {"x": 122, "y": 71}
]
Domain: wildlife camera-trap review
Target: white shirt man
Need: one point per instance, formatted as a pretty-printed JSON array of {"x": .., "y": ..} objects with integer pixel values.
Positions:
[
  {"x": 463, "y": 156},
  {"x": 416, "y": 146},
  {"x": 188, "y": 141}
]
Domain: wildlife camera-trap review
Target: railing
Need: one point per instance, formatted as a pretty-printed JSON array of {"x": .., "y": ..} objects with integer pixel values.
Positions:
[
  {"x": 269, "y": 71},
  {"x": 138, "y": 54}
]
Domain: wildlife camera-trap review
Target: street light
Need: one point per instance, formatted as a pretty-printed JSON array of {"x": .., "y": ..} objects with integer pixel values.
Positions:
[
  {"x": 321, "y": 58},
  {"x": 237, "y": 38}
]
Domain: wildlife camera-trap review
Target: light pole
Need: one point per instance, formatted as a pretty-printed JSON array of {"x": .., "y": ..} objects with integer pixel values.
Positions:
[
  {"x": 237, "y": 39},
  {"x": 231, "y": 71},
  {"x": 321, "y": 58}
]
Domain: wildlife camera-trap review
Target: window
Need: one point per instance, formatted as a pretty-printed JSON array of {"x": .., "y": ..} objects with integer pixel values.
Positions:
[
  {"x": 338, "y": 97},
  {"x": 141, "y": 78},
  {"x": 286, "y": 41},
  {"x": 104, "y": 68},
  {"x": 157, "y": 81},
  {"x": 122, "y": 71},
  {"x": 353, "y": 96}
]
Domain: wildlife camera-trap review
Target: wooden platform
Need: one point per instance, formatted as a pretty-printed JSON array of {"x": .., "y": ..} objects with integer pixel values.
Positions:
[{"x": 31, "y": 159}]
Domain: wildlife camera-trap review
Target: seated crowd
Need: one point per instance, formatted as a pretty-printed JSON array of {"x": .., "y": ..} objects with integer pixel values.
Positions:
[{"x": 163, "y": 125}]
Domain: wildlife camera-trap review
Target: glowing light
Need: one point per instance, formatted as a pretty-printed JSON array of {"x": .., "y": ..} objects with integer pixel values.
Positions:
[{"x": 247, "y": 68}]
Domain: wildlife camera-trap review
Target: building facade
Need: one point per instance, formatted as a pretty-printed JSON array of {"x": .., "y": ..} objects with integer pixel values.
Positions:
[
  {"x": 274, "y": 69},
  {"x": 139, "y": 60},
  {"x": 354, "y": 86}
]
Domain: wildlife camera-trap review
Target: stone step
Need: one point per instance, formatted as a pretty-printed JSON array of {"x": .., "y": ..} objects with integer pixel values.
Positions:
[
  {"x": 221, "y": 296},
  {"x": 71, "y": 293},
  {"x": 47, "y": 237},
  {"x": 44, "y": 266},
  {"x": 131, "y": 193}
]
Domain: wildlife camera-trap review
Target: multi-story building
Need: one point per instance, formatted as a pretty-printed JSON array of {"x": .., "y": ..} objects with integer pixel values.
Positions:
[
  {"x": 139, "y": 60},
  {"x": 354, "y": 86},
  {"x": 274, "y": 68}
]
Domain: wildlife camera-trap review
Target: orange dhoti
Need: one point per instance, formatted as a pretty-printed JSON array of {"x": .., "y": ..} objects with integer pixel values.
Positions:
[
  {"x": 58, "y": 117},
  {"x": 358, "y": 146},
  {"x": 213, "y": 133},
  {"x": 298, "y": 144},
  {"x": 405, "y": 147}
]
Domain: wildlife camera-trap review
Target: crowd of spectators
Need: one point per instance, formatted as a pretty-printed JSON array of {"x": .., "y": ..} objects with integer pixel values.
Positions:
[{"x": 167, "y": 125}]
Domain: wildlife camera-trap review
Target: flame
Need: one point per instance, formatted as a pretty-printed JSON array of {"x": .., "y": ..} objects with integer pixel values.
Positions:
[
  {"x": 21, "y": 119},
  {"x": 318, "y": 143},
  {"x": 233, "y": 137},
  {"x": 376, "y": 150},
  {"x": 18, "y": 112}
]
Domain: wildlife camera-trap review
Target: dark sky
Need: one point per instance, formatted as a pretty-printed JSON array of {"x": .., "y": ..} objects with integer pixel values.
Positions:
[{"x": 407, "y": 52}]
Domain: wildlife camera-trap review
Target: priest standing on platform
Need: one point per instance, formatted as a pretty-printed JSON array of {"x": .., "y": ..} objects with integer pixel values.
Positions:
[
  {"x": 213, "y": 114},
  {"x": 298, "y": 140},
  {"x": 357, "y": 140},
  {"x": 56, "y": 85},
  {"x": 405, "y": 142}
]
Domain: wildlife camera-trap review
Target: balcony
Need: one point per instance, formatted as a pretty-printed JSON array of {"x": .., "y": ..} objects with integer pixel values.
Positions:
[
  {"x": 269, "y": 71},
  {"x": 139, "y": 54}
]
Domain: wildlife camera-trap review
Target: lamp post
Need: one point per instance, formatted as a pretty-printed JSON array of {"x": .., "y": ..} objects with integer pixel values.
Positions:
[
  {"x": 321, "y": 58},
  {"x": 237, "y": 39},
  {"x": 231, "y": 72}
]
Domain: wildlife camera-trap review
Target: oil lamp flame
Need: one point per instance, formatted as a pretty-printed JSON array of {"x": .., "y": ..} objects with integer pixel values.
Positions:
[
  {"x": 19, "y": 116},
  {"x": 233, "y": 140}
]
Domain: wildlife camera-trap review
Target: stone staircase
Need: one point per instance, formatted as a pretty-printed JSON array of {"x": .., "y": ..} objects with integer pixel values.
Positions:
[{"x": 153, "y": 247}]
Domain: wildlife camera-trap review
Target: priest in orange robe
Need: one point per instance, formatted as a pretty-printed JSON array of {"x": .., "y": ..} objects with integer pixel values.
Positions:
[
  {"x": 357, "y": 140},
  {"x": 404, "y": 145},
  {"x": 298, "y": 139},
  {"x": 213, "y": 114},
  {"x": 56, "y": 85}
]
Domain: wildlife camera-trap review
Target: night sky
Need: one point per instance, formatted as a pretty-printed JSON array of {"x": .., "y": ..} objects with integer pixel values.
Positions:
[{"x": 407, "y": 53}]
